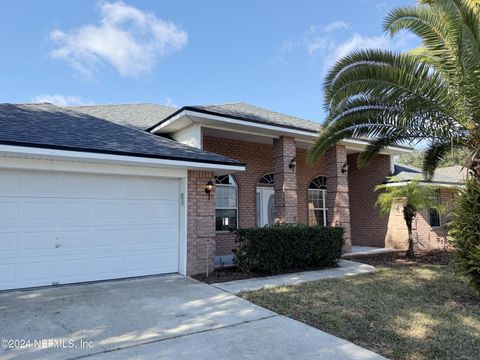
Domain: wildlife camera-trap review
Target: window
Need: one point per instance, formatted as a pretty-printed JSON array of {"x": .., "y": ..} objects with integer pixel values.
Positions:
[
  {"x": 226, "y": 203},
  {"x": 434, "y": 216},
  {"x": 266, "y": 180},
  {"x": 317, "y": 201}
]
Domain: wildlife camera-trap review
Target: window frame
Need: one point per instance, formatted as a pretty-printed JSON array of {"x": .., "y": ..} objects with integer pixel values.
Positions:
[
  {"x": 318, "y": 184},
  {"x": 437, "y": 214},
  {"x": 234, "y": 184}
]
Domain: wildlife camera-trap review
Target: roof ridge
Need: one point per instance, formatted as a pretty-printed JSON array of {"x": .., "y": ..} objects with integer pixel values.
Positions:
[
  {"x": 264, "y": 109},
  {"x": 120, "y": 104}
]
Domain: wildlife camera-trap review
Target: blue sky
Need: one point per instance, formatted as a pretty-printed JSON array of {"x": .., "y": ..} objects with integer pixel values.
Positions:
[{"x": 268, "y": 53}]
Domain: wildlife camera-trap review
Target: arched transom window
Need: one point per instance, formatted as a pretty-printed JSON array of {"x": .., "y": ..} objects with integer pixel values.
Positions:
[
  {"x": 317, "y": 201},
  {"x": 226, "y": 203},
  {"x": 266, "y": 179}
]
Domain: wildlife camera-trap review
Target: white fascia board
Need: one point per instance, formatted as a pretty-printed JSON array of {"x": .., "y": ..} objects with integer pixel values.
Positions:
[
  {"x": 220, "y": 122},
  {"x": 53, "y": 154},
  {"x": 361, "y": 144},
  {"x": 209, "y": 118},
  {"x": 434, "y": 184}
]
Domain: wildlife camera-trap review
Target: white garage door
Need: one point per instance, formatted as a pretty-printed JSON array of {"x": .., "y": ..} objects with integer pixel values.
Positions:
[{"x": 70, "y": 227}]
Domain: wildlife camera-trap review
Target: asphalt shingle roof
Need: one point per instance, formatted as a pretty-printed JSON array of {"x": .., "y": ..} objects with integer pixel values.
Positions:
[
  {"x": 408, "y": 173},
  {"x": 256, "y": 114},
  {"x": 139, "y": 116},
  {"x": 49, "y": 126}
]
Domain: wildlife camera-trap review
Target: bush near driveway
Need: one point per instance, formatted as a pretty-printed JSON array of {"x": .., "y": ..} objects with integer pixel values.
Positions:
[{"x": 280, "y": 248}]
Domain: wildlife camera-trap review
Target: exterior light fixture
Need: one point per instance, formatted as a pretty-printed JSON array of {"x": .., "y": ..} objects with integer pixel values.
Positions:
[
  {"x": 344, "y": 168},
  {"x": 292, "y": 164},
  {"x": 209, "y": 188}
]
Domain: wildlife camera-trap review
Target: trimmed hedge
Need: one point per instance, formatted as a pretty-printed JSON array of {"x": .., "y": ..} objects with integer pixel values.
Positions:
[{"x": 279, "y": 248}]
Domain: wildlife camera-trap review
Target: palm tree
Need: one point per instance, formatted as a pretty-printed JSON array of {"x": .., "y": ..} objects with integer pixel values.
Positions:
[
  {"x": 410, "y": 197},
  {"x": 430, "y": 94}
]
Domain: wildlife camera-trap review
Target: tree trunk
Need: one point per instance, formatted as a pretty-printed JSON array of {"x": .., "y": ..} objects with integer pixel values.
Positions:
[
  {"x": 408, "y": 214},
  {"x": 475, "y": 168}
]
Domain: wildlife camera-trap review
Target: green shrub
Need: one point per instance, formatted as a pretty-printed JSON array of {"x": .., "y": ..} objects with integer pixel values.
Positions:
[
  {"x": 464, "y": 228},
  {"x": 286, "y": 247}
]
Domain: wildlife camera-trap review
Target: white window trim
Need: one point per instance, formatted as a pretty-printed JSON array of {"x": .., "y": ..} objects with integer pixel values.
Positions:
[
  {"x": 438, "y": 199},
  {"x": 324, "y": 209},
  {"x": 228, "y": 208}
]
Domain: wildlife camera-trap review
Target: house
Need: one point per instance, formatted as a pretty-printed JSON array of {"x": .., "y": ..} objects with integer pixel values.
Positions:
[
  {"x": 113, "y": 191},
  {"x": 429, "y": 226}
]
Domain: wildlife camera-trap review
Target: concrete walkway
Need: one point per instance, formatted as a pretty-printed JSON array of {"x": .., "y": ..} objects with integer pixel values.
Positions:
[
  {"x": 368, "y": 250},
  {"x": 345, "y": 268}
]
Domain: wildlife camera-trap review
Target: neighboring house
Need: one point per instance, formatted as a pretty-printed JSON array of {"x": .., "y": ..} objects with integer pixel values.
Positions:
[
  {"x": 112, "y": 191},
  {"x": 429, "y": 226}
]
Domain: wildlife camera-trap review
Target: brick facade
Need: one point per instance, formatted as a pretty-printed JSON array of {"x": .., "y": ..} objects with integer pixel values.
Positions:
[
  {"x": 350, "y": 198},
  {"x": 259, "y": 161},
  {"x": 368, "y": 226},
  {"x": 337, "y": 192},
  {"x": 201, "y": 224},
  {"x": 425, "y": 237},
  {"x": 284, "y": 180}
]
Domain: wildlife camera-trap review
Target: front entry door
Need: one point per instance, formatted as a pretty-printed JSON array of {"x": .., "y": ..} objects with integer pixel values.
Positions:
[{"x": 265, "y": 206}]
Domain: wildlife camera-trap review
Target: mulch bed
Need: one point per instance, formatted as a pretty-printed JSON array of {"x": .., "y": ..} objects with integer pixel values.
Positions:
[
  {"x": 398, "y": 259},
  {"x": 233, "y": 273},
  {"x": 435, "y": 257}
]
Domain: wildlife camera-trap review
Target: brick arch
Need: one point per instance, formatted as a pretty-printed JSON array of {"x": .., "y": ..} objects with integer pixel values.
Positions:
[{"x": 258, "y": 184}]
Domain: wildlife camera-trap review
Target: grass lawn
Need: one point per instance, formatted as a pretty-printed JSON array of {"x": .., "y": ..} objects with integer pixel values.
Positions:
[{"x": 402, "y": 311}]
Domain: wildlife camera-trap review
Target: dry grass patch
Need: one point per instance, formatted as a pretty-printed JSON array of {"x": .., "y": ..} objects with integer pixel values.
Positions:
[{"x": 413, "y": 313}]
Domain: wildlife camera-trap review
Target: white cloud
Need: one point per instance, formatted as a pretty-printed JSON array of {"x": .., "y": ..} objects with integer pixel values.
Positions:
[
  {"x": 127, "y": 38},
  {"x": 61, "y": 100},
  {"x": 169, "y": 102},
  {"x": 324, "y": 43},
  {"x": 336, "y": 25}
]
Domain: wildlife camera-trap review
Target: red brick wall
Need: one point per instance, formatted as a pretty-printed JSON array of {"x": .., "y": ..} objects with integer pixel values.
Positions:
[
  {"x": 368, "y": 226},
  {"x": 201, "y": 224},
  {"x": 259, "y": 161}
]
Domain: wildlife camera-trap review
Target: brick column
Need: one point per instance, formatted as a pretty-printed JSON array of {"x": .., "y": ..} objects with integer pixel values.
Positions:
[
  {"x": 200, "y": 224},
  {"x": 285, "y": 180},
  {"x": 337, "y": 192}
]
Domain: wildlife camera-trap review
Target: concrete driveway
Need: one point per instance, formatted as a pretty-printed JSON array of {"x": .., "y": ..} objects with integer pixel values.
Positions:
[{"x": 167, "y": 317}]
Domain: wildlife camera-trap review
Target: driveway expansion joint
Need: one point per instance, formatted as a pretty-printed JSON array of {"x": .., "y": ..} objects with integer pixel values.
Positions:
[{"x": 173, "y": 337}]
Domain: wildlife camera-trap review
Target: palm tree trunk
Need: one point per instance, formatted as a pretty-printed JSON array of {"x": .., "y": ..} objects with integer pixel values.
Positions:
[{"x": 408, "y": 214}]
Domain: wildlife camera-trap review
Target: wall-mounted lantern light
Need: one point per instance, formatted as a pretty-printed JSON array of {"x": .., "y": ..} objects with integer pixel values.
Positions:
[
  {"x": 344, "y": 168},
  {"x": 209, "y": 188},
  {"x": 292, "y": 164}
]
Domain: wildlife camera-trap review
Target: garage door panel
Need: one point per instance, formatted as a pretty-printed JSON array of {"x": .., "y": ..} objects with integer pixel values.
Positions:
[
  {"x": 73, "y": 241},
  {"x": 108, "y": 187},
  {"x": 9, "y": 211},
  {"x": 37, "y": 212},
  {"x": 74, "y": 212},
  {"x": 62, "y": 228},
  {"x": 7, "y": 275},
  {"x": 11, "y": 183},
  {"x": 40, "y": 271},
  {"x": 8, "y": 244},
  {"x": 107, "y": 211},
  {"x": 75, "y": 186},
  {"x": 103, "y": 238},
  {"x": 38, "y": 184},
  {"x": 37, "y": 243}
]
